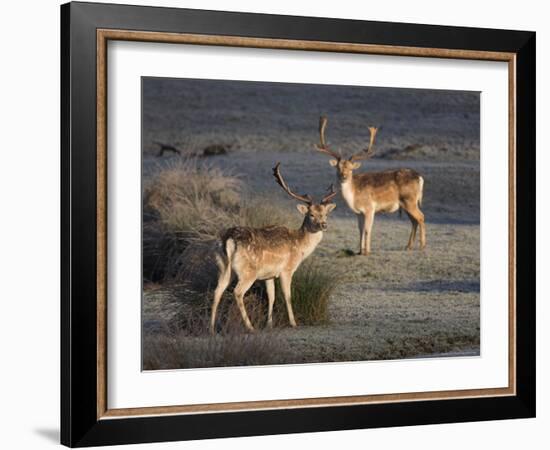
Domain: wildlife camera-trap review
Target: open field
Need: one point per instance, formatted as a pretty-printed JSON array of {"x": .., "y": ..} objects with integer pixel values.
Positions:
[
  {"x": 391, "y": 304},
  {"x": 417, "y": 124}
]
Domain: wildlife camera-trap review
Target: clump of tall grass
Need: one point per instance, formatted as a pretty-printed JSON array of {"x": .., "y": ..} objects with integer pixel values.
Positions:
[
  {"x": 192, "y": 199},
  {"x": 312, "y": 287}
]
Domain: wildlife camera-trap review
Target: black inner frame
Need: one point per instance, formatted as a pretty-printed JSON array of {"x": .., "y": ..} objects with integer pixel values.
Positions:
[{"x": 79, "y": 424}]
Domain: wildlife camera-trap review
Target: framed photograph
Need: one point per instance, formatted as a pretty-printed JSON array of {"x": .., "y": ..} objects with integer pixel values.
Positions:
[{"x": 276, "y": 224}]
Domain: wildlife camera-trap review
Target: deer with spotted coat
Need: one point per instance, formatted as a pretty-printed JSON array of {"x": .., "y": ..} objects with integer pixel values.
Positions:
[
  {"x": 269, "y": 253},
  {"x": 369, "y": 193}
]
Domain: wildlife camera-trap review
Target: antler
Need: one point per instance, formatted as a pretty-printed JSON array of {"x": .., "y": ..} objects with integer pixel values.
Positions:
[
  {"x": 323, "y": 147},
  {"x": 328, "y": 197},
  {"x": 277, "y": 174},
  {"x": 368, "y": 152}
]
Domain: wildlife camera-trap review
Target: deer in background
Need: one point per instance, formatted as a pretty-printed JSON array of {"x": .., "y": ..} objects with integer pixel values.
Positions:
[
  {"x": 270, "y": 252},
  {"x": 371, "y": 192}
]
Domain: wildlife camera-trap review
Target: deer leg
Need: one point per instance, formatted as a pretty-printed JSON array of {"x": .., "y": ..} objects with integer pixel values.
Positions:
[
  {"x": 243, "y": 285},
  {"x": 412, "y": 237},
  {"x": 270, "y": 288},
  {"x": 369, "y": 221},
  {"x": 223, "y": 282},
  {"x": 361, "y": 225},
  {"x": 422, "y": 226},
  {"x": 417, "y": 218},
  {"x": 286, "y": 281}
]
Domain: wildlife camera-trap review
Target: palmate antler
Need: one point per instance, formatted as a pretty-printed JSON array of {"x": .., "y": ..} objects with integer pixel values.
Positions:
[
  {"x": 368, "y": 152},
  {"x": 323, "y": 147},
  {"x": 277, "y": 174}
]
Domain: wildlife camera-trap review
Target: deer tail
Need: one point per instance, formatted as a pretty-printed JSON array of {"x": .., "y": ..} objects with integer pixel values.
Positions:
[
  {"x": 421, "y": 194},
  {"x": 229, "y": 249},
  {"x": 224, "y": 254}
]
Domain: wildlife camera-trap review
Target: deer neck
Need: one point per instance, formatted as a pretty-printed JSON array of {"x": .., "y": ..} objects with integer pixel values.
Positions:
[
  {"x": 308, "y": 241},
  {"x": 348, "y": 193}
]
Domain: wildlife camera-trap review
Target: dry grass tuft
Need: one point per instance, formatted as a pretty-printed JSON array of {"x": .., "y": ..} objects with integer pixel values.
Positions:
[
  {"x": 312, "y": 287},
  {"x": 193, "y": 199}
]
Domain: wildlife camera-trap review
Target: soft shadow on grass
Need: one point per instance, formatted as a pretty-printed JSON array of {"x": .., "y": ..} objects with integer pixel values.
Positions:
[{"x": 345, "y": 253}]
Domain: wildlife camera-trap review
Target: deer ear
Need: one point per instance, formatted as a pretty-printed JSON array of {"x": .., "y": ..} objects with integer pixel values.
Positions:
[
  {"x": 330, "y": 207},
  {"x": 302, "y": 208},
  {"x": 333, "y": 162},
  {"x": 356, "y": 165}
]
